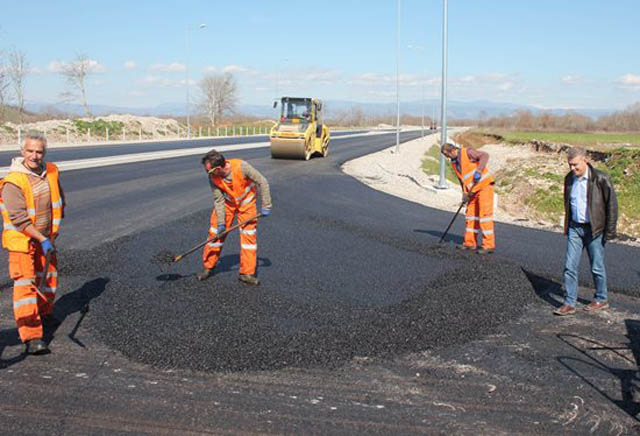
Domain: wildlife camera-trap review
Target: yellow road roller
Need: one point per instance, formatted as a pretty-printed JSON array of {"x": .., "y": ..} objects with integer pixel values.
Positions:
[{"x": 300, "y": 132}]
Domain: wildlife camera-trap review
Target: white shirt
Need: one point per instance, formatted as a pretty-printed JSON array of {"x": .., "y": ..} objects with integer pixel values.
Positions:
[{"x": 579, "y": 201}]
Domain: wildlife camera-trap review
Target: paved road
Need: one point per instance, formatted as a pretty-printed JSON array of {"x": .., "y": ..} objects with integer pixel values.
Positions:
[{"x": 336, "y": 339}]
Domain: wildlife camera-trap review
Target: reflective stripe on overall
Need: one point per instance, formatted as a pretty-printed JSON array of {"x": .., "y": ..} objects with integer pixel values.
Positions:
[
  {"x": 479, "y": 212},
  {"x": 240, "y": 200},
  {"x": 26, "y": 260}
]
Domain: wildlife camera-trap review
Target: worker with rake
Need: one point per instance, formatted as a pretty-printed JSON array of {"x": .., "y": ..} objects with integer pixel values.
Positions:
[
  {"x": 477, "y": 193},
  {"x": 32, "y": 204},
  {"x": 235, "y": 184}
]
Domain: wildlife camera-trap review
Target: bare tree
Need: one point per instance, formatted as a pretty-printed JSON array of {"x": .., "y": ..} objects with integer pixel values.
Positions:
[
  {"x": 4, "y": 85},
  {"x": 18, "y": 70},
  {"x": 76, "y": 74},
  {"x": 219, "y": 95}
]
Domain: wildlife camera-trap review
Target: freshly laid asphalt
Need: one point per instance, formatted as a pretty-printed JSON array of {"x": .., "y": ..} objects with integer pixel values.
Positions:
[{"x": 348, "y": 274}]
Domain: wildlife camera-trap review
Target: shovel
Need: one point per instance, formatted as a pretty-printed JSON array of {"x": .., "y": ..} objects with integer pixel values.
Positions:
[
  {"x": 43, "y": 282},
  {"x": 215, "y": 238},
  {"x": 454, "y": 218}
]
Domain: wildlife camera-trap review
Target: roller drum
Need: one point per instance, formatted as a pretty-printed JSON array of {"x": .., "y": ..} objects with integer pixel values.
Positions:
[{"x": 288, "y": 148}]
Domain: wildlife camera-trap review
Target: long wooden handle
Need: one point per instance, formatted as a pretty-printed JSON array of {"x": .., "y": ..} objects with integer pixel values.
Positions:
[
  {"x": 43, "y": 282},
  {"x": 180, "y": 256},
  {"x": 449, "y": 226}
]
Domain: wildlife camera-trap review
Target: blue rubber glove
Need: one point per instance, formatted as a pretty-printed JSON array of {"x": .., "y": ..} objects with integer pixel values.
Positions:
[
  {"x": 221, "y": 229},
  {"x": 47, "y": 246},
  {"x": 477, "y": 176},
  {"x": 265, "y": 211}
]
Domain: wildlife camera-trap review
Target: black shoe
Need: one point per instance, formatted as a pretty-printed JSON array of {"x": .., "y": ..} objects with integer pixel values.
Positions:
[
  {"x": 249, "y": 279},
  {"x": 36, "y": 347},
  {"x": 204, "y": 275},
  {"x": 485, "y": 251},
  {"x": 465, "y": 247}
]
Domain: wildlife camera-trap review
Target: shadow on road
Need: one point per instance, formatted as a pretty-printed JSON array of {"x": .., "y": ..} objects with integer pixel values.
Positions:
[
  {"x": 629, "y": 378},
  {"x": 10, "y": 338},
  {"x": 548, "y": 290},
  {"x": 230, "y": 262},
  {"x": 456, "y": 239},
  {"x": 72, "y": 302}
]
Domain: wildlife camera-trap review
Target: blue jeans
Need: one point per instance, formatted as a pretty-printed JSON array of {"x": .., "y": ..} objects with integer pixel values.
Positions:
[{"x": 579, "y": 236}]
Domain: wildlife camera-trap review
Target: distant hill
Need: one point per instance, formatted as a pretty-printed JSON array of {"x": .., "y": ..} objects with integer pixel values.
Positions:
[{"x": 455, "y": 109}]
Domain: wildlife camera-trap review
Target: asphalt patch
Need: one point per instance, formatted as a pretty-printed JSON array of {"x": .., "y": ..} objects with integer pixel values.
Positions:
[{"x": 171, "y": 320}]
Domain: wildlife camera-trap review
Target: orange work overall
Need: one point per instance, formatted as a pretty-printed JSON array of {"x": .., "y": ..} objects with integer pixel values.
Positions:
[
  {"x": 240, "y": 198},
  {"x": 26, "y": 260},
  {"x": 479, "y": 213}
]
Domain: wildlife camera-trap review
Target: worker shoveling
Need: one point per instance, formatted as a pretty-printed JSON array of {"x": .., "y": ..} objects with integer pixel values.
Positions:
[{"x": 235, "y": 184}]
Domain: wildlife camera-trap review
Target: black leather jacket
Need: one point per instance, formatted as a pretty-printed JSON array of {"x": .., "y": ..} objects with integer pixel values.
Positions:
[{"x": 602, "y": 201}]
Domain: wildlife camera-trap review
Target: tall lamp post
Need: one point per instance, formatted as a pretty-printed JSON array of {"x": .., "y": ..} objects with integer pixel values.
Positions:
[
  {"x": 442, "y": 184},
  {"x": 398, "y": 79},
  {"x": 201, "y": 26},
  {"x": 423, "y": 50}
]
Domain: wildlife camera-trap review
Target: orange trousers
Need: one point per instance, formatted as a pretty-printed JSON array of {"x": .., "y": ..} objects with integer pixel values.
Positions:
[
  {"x": 248, "y": 238},
  {"x": 480, "y": 220},
  {"x": 26, "y": 270}
]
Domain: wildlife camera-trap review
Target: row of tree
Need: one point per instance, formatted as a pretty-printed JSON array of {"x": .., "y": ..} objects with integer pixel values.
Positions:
[
  {"x": 219, "y": 92},
  {"x": 627, "y": 120}
]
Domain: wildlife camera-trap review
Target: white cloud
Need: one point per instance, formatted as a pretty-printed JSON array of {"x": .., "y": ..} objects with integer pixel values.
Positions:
[
  {"x": 209, "y": 69},
  {"x": 137, "y": 93},
  {"x": 572, "y": 79},
  {"x": 235, "y": 69},
  {"x": 91, "y": 66},
  {"x": 157, "y": 81},
  {"x": 629, "y": 80},
  {"x": 172, "y": 67},
  {"x": 55, "y": 67},
  {"x": 376, "y": 79},
  {"x": 130, "y": 65},
  {"x": 163, "y": 82}
]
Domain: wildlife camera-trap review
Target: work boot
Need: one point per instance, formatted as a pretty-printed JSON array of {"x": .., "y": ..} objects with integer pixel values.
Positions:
[
  {"x": 249, "y": 279},
  {"x": 485, "y": 250},
  {"x": 204, "y": 275},
  {"x": 465, "y": 247},
  {"x": 36, "y": 347}
]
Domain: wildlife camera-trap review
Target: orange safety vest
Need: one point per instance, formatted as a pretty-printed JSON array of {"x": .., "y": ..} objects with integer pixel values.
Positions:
[
  {"x": 14, "y": 240},
  {"x": 240, "y": 190},
  {"x": 467, "y": 168}
]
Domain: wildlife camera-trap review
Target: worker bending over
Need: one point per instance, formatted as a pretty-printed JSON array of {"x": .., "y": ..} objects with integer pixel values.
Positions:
[
  {"x": 234, "y": 183},
  {"x": 477, "y": 189},
  {"x": 32, "y": 204}
]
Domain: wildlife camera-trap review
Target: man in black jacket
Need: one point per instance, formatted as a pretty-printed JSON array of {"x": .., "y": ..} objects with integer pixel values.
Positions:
[{"x": 591, "y": 214}]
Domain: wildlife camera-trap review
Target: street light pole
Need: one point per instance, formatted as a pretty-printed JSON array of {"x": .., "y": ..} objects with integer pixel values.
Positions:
[
  {"x": 442, "y": 184},
  {"x": 202, "y": 26},
  {"x": 398, "y": 80}
]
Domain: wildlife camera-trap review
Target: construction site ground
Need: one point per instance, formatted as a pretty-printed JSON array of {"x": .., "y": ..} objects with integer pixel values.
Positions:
[{"x": 363, "y": 323}]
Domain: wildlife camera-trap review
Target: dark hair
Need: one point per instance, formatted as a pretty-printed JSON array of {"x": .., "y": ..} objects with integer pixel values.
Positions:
[
  {"x": 214, "y": 158},
  {"x": 447, "y": 147}
]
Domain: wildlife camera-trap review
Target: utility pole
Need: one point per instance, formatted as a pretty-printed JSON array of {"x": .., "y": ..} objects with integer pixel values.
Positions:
[
  {"x": 398, "y": 80},
  {"x": 442, "y": 184}
]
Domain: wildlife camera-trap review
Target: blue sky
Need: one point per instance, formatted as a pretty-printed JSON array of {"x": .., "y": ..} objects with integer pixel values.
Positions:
[{"x": 562, "y": 53}]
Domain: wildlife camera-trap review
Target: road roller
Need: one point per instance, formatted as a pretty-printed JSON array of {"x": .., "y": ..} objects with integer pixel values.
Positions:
[{"x": 300, "y": 132}]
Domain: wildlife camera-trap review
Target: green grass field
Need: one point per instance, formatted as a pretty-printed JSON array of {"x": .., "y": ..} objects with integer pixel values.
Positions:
[
  {"x": 432, "y": 167},
  {"x": 581, "y": 139}
]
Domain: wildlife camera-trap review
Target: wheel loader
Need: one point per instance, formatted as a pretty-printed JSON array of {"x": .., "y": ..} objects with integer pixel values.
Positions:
[{"x": 300, "y": 132}]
